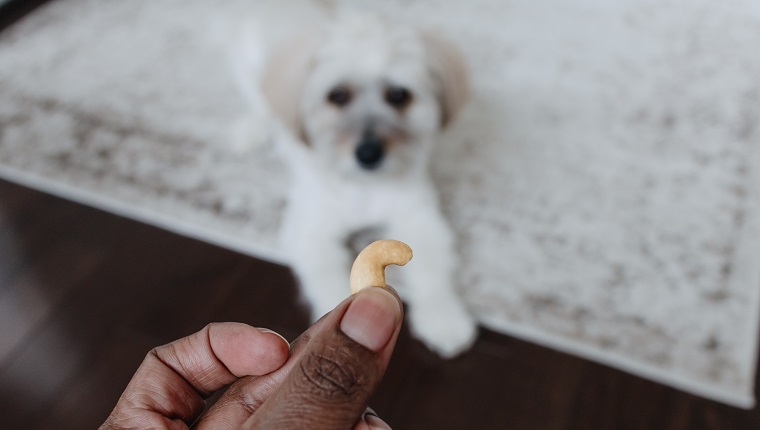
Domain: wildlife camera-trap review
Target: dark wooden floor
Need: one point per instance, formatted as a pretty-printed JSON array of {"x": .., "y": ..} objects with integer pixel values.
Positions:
[{"x": 85, "y": 294}]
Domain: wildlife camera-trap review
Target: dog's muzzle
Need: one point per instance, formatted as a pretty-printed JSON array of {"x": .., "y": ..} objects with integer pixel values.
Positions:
[{"x": 370, "y": 151}]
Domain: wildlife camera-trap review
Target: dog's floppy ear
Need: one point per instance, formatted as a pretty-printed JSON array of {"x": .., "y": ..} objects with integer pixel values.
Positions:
[
  {"x": 284, "y": 77},
  {"x": 450, "y": 73}
]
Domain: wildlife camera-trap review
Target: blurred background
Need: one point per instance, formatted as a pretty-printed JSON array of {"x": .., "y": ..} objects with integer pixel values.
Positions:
[{"x": 602, "y": 184}]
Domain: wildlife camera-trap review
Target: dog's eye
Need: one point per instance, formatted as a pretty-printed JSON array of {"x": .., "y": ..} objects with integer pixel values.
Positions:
[
  {"x": 339, "y": 96},
  {"x": 398, "y": 97}
]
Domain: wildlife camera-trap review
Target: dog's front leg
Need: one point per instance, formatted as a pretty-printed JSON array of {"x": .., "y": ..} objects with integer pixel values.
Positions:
[
  {"x": 437, "y": 314},
  {"x": 322, "y": 263}
]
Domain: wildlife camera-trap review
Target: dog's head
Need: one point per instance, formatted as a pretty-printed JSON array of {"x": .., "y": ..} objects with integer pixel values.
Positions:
[{"x": 366, "y": 96}]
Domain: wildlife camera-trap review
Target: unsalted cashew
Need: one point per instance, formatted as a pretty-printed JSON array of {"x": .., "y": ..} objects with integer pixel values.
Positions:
[{"x": 369, "y": 267}]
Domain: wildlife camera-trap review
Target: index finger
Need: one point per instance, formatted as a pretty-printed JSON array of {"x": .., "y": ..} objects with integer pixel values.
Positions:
[{"x": 174, "y": 379}]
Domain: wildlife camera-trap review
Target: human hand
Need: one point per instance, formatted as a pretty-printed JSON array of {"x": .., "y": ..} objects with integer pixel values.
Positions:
[{"x": 324, "y": 383}]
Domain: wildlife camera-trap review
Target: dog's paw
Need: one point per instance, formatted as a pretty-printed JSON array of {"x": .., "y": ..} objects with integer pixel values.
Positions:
[{"x": 445, "y": 328}]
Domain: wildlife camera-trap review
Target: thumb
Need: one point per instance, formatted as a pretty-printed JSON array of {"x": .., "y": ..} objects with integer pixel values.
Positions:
[{"x": 330, "y": 384}]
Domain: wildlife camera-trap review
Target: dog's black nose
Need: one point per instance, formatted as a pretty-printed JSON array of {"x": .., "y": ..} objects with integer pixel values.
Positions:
[{"x": 370, "y": 151}]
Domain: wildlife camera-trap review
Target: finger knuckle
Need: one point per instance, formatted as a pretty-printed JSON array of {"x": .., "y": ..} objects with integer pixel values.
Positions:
[{"x": 333, "y": 373}]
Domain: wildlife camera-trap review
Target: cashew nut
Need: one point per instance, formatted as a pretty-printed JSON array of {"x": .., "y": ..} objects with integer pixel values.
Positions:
[{"x": 369, "y": 267}]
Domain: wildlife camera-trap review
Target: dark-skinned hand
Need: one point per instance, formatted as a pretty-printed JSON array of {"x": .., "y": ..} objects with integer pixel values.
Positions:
[{"x": 322, "y": 381}]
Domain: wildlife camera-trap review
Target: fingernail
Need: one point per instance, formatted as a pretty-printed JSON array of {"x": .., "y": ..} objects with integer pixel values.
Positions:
[
  {"x": 375, "y": 423},
  {"x": 371, "y": 318},
  {"x": 268, "y": 331}
]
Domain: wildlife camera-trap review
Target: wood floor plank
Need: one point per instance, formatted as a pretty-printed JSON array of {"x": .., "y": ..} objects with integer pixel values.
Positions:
[
  {"x": 30, "y": 296},
  {"x": 12, "y": 11},
  {"x": 92, "y": 393}
]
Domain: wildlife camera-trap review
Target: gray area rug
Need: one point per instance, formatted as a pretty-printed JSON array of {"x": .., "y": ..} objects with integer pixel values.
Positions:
[{"x": 604, "y": 182}]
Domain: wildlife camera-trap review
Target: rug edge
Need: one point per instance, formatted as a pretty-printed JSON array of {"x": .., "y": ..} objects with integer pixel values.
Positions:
[
  {"x": 617, "y": 361},
  {"x": 162, "y": 221},
  {"x": 625, "y": 364}
]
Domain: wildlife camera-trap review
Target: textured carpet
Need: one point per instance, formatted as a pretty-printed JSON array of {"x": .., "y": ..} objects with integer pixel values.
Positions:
[{"x": 604, "y": 182}]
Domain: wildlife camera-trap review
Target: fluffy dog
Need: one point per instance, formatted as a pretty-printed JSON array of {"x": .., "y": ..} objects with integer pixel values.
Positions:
[{"x": 360, "y": 103}]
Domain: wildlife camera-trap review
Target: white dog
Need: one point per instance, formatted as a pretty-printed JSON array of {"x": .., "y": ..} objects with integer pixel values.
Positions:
[{"x": 361, "y": 103}]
